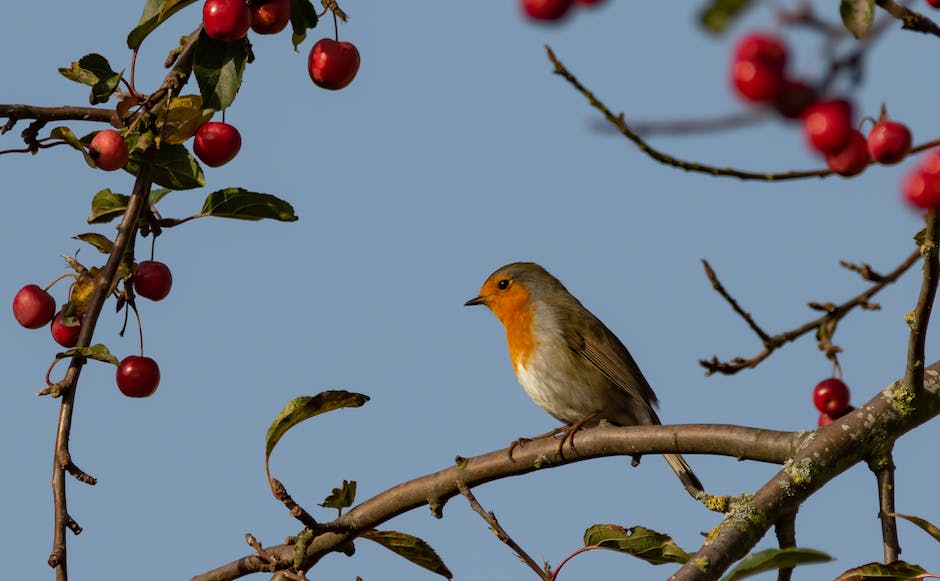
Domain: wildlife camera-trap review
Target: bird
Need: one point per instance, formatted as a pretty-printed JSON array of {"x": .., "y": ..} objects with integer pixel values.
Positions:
[{"x": 567, "y": 360}]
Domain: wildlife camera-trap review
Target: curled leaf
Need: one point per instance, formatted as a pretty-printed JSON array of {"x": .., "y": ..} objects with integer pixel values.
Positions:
[
  {"x": 97, "y": 352},
  {"x": 341, "y": 497},
  {"x": 896, "y": 571},
  {"x": 99, "y": 241},
  {"x": 641, "y": 542},
  {"x": 303, "y": 408}
]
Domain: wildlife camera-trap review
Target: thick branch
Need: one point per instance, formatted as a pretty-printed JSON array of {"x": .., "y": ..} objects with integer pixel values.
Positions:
[
  {"x": 831, "y": 450},
  {"x": 436, "y": 489}
]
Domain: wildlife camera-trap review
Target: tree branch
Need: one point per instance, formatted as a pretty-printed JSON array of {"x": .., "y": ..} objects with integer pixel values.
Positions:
[
  {"x": 127, "y": 230},
  {"x": 67, "y": 113},
  {"x": 833, "y": 315},
  {"x": 436, "y": 489},
  {"x": 910, "y": 20},
  {"x": 498, "y": 530},
  {"x": 883, "y": 468},
  {"x": 621, "y": 125}
]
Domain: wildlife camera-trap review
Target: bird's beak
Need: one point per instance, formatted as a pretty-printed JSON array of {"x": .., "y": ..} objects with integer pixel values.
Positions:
[{"x": 475, "y": 301}]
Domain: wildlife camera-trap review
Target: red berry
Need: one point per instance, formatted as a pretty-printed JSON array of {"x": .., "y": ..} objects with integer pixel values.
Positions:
[
  {"x": 226, "y": 20},
  {"x": 66, "y": 335},
  {"x": 828, "y": 124},
  {"x": 216, "y": 143},
  {"x": 889, "y": 141},
  {"x": 332, "y": 64},
  {"x": 931, "y": 163},
  {"x": 757, "y": 67},
  {"x": 826, "y": 419},
  {"x": 138, "y": 376},
  {"x": 152, "y": 280},
  {"x": 269, "y": 16},
  {"x": 852, "y": 158},
  {"x": 33, "y": 307},
  {"x": 934, "y": 3},
  {"x": 794, "y": 98},
  {"x": 761, "y": 47},
  {"x": 922, "y": 189},
  {"x": 756, "y": 81},
  {"x": 545, "y": 9},
  {"x": 831, "y": 396},
  {"x": 108, "y": 150}
]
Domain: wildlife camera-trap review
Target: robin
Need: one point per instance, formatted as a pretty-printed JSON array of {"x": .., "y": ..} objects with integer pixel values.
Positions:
[{"x": 567, "y": 360}]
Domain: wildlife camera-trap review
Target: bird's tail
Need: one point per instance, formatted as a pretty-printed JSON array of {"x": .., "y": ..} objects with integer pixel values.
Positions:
[{"x": 685, "y": 474}]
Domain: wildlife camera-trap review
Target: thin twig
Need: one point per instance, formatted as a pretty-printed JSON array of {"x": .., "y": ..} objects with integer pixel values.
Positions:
[
  {"x": 490, "y": 518},
  {"x": 785, "y": 529},
  {"x": 910, "y": 20},
  {"x": 716, "y": 284},
  {"x": 918, "y": 318},
  {"x": 883, "y": 467},
  {"x": 827, "y": 322},
  {"x": 627, "y": 131}
]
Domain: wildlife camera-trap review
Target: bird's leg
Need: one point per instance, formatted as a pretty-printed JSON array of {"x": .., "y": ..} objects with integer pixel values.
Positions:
[
  {"x": 521, "y": 442},
  {"x": 569, "y": 431}
]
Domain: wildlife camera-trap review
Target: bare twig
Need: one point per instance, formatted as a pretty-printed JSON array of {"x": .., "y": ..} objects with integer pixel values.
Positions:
[
  {"x": 918, "y": 318},
  {"x": 785, "y": 528},
  {"x": 825, "y": 324},
  {"x": 910, "y": 20},
  {"x": 620, "y": 123},
  {"x": 543, "y": 573},
  {"x": 883, "y": 467}
]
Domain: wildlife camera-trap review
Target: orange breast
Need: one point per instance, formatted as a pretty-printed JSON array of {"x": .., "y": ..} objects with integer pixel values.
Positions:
[{"x": 515, "y": 313}]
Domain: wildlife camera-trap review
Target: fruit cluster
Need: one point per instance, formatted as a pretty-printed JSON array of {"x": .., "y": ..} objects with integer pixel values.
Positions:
[
  {"x": 831, "y": 398},
  {"x": 759, "y": 75},
  {"x": 551, "y": 9},
  {"x": 137, "y": 376},
  {"x": 331, "y": 64}
]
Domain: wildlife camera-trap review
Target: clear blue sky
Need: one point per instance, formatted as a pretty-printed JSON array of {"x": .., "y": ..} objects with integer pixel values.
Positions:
[{"x": 453, "y": 152}]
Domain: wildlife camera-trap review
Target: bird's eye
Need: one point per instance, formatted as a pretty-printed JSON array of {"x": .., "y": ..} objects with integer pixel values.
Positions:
[{"x": 503, "y": 284}]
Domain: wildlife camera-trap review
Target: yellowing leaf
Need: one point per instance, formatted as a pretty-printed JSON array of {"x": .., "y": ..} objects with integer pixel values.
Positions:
[
  {"x": 641, "y": 542},
  {"x": 183, "y": 117}
]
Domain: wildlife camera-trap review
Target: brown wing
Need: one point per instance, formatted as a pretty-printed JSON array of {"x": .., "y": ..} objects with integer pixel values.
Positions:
[{"x": 597, "y": 344}]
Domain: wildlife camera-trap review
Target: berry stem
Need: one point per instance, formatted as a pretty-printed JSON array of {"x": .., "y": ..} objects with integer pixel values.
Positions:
[
  {"x": 140, "y": 329},
  {"x": 335, "y": 27},
  {"x": 58, "y": 278}
]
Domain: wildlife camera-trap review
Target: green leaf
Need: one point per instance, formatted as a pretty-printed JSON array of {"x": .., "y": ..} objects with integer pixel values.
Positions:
[
  {"x": 106, "y": 206},
  {"x": 771, "y": 559},
  {"x": 155, "y": 13},
  {"x": 157, "y": 195},
  {"x": 302, "y": 408},
  {"x": 928, "y": 528},
  {"x": 94, "y": 70},
  {"x": 173, "y": 167},
  {"x": 102, "y": 243},
  {"x": 218, "y": 67},
  {"x": 97, "y": 352},
  {"x": 66, "y": 135},
  {"x": 241, "y": 204},
  {"x": 896, "y": 571},
  {"x": 719, "y": 14},
  {"x": 641, "y": 542},
  {"x": 184, "y": 116},
  {"x": 341, "y": 497},
  {"x": 302, "y": 16},
  {"x": 858, "y": 16},
  {"x": 412, "y": 548}
]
